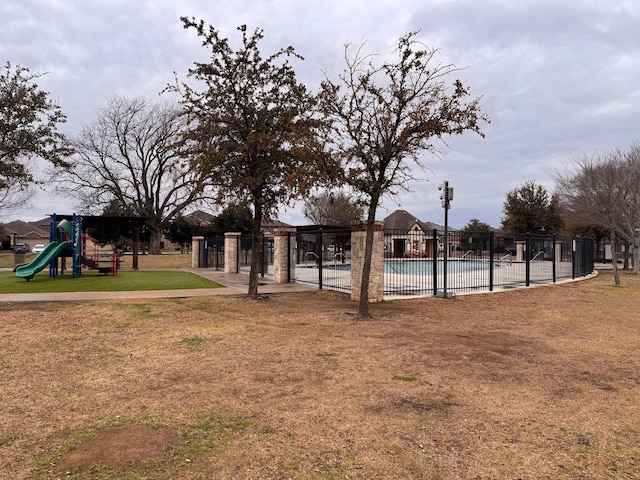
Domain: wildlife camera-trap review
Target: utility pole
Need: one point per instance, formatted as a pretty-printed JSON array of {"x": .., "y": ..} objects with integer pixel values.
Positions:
[{"x": 446, "y": 196}]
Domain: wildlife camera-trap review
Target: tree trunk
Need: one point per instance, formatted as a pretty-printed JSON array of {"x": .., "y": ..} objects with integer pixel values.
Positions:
[
  {"x": 154, "y": 241},
  {"x": 255, "y": 251},
  {"x": 614, "y": 259},
  {"x": 363, "y": 307},
  {"x": 627, "y": 256}
]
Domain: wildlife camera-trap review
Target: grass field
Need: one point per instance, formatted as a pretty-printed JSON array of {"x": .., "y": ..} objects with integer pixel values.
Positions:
[
  {"x": 91, "y": 281},
  {"x": 157, "y": 272},
  {"x": 144, "y": 261},
  {"x": 542, "y": 383}
]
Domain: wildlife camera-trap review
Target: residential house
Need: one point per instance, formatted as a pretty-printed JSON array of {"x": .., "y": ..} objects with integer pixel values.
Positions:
[
  {"x": 30, "y": 233},
  {"x": 407, "y": 236}
]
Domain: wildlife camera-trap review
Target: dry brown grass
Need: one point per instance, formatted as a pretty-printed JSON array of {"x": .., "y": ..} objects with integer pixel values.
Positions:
[{"x": 529, "y": 384}]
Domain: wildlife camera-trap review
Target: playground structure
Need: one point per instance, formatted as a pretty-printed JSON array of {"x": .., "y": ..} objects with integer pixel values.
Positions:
[{"x": 67, "y": 240}]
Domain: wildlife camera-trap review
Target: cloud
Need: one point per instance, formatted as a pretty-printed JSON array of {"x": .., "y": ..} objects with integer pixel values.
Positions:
[{"x": 557, "y": 78}]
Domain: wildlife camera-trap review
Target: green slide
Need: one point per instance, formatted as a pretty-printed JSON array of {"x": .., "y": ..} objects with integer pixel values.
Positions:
[{"x": 49, "y": 254}]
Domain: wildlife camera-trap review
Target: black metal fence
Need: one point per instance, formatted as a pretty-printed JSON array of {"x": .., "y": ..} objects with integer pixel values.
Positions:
[
  {"x": 323, "y": 258},
  {"x": 415, "y": 261},
  {"x": 265, "y": 263},
  {"x": 211, "y": 253}
]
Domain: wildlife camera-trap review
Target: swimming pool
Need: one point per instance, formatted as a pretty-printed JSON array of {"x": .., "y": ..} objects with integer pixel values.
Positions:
[
  {"x": 425, "y": 267},
  {"x": 416, "y": 277}
]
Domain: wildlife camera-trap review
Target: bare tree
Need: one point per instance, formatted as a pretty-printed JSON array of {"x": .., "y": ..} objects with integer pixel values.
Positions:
[
  {"x": 130, "y": 157},
  {"x": 332, "y": 208},
  {"x": 29, "y": 122},
  {"x": 604, "y": 188},
  {"x": 386, "y": 116},
  {"x": 254, "y": 128}
]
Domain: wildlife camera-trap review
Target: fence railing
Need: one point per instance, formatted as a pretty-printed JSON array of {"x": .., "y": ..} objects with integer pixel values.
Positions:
[
  {"x": 414, "y": 260},
  {"x": 265, "y": 263},
  {"x": 211, "y": 253},
  {"x": 323, "y": 258},
  {"x": 476, "y": 261}
]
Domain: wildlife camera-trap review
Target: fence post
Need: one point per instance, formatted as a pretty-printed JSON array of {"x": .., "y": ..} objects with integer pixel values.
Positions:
[
  {"x": 262, "y": 262},
  {"x": 290, "y": 253},
  {"x": 282, "y": 253},
  {"x": 573, "y": 257},
  {"x": 376, "y": 277},
  {"x": 553, "y": 250},
  {"x": 527, "y": 257},
  {"x": 217, "y": 256},
  {"x": 435, "y": 262},
  {"x": 320, "y": 258},
  {"x": 231, "y": 252},
  {"x": 491, "y": 253},
  {"x": 195, "y": 251}
]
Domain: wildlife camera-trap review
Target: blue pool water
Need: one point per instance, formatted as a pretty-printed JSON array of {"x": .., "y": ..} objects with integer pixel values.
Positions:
[
  {"x": 425, "y": 267},
  {"x": 419, "y": 267}
]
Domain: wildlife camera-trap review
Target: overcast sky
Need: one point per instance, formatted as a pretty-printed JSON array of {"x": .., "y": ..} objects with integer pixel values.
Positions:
[{"x": 558, "y": 78}]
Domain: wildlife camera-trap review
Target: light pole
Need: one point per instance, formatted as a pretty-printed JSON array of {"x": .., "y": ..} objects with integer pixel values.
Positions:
[{"x": 446, "y": 196}]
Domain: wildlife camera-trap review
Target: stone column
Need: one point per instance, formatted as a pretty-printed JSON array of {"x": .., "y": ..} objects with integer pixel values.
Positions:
[
  {"x": 284, "y": 265},
  {"x": 231, "y": 252},
  {"x": 520, "y": 251},
  {"x": 195, "y": 251},
  {"x": 376, "y": 278}
]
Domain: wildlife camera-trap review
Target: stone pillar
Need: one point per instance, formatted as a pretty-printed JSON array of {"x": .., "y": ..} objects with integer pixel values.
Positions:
[
  {"x": 231, "y": 252},
  {"x": 376, "y": 278},
  {"x": 195, "y": 251},
  {"x": 284, "y": 265},
  {"x": 520, "y": 251}
]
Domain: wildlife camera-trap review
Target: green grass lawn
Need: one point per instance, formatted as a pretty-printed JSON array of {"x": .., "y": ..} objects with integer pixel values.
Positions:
[{"x": 93, "y": 282}]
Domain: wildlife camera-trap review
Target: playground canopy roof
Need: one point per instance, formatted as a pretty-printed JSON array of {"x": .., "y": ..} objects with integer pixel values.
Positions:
[{"x": 101, "y": 221}]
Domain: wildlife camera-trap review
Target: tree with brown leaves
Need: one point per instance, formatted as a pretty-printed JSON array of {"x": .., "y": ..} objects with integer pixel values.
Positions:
[
  {"x": 29, "y": 122},
  {"x": 254, "y": 129},
  {"x": 386, "y": 116}
]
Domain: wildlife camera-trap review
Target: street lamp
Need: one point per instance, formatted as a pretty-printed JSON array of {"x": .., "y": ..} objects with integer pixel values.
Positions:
[{"x": 446, "y": 196}]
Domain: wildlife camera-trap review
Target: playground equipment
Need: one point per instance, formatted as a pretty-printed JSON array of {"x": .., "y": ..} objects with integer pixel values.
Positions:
[
  {"x": 94, "y": 259},
  {"x": 66, "y": 240}
]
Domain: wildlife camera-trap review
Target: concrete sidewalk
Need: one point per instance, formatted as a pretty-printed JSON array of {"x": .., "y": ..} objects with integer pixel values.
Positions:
[{"x": 234, "y": 284}]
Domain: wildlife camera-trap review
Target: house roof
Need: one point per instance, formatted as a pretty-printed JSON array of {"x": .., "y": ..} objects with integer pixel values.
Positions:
[
  {"x": 403, "y": 220},
  {"x": 400, "y": 220},
  {"x": 269, "y": 225},
  {"x": 103, "y": 221},
  {"x": 427, "y": 226},
  {"x": 200, "y": 217},
  {"x": 26, "y": 229}
]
